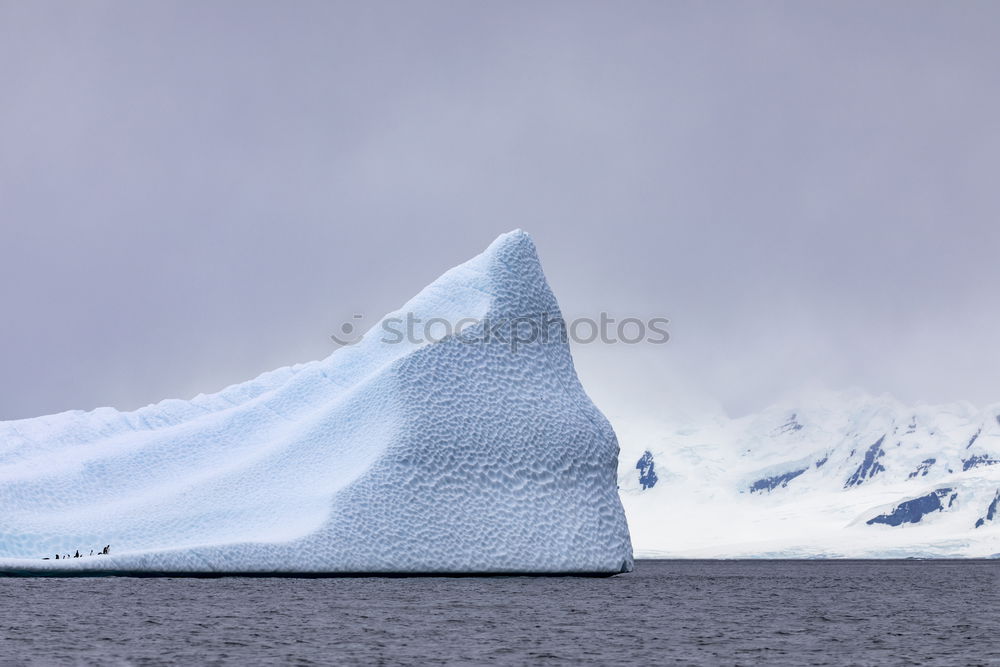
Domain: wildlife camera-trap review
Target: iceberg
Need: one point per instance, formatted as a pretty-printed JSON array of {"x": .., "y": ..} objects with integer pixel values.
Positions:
[{"x": 476, "y": 452}]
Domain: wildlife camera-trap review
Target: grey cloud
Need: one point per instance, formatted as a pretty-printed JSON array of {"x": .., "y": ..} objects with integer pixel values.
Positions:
[{"x": 193, "y": 193}]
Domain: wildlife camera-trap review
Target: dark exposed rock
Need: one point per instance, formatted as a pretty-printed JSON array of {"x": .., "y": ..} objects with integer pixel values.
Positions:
[
  {"x": 870, "y": 466},
  {"x": 647, "y": 472},
  {"x": 979, "y": 460},
  {"x": 974, "y": 438},
  {"x": 912, "y": 511},
  {"x": 771, "y": 483},
  {"x": 991, "y": 511},
  {"x": 923, "y": 468},
  {"x": 791, "y": 425}
]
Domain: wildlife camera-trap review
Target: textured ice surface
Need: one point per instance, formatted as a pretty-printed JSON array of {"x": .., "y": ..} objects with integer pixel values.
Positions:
[{"x": 443, "y": 456}]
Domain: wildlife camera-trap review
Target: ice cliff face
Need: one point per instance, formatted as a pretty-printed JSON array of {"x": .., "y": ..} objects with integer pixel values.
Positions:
[
  {"x": 447, "y": 456},
  {"x": 836, "y": 474}
]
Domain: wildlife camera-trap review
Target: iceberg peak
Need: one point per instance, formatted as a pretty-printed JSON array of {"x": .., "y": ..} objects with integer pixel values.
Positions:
[{"x": 408, "y": 456}]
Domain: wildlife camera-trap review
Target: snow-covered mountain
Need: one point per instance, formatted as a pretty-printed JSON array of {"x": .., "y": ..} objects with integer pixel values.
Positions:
[{"x": 837, "y": 474}]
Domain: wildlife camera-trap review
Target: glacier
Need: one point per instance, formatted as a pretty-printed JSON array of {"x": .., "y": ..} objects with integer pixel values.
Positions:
[
  {"x": 829, "y": 474},
  {"x": 416, "y": 456}
]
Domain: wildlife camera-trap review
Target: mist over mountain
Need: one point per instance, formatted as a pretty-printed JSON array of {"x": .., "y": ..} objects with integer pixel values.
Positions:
[{"x": 835, "y": 474}]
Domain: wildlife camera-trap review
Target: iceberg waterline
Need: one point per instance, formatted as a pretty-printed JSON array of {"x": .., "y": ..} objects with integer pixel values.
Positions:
[{"x": 413, "y": 457}]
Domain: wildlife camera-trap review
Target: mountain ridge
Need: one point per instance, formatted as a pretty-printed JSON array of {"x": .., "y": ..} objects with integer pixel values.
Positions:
[{"x": 834, "y": 474}]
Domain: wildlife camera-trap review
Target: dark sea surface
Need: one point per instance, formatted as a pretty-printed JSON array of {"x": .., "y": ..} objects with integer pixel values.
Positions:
[{"x": 666, "y": 612}]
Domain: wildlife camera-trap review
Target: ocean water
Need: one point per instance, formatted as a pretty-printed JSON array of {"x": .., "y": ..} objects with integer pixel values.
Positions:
[{"x": 666, "y": 612}]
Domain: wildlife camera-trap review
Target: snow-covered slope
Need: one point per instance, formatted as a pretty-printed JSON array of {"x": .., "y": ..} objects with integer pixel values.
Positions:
[
  {"x": 448, "y": 456},
  {"x": 843, "y": 474}
]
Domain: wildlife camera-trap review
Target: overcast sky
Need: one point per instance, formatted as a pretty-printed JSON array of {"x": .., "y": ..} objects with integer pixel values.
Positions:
[{"x": 192, "y": 193}]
